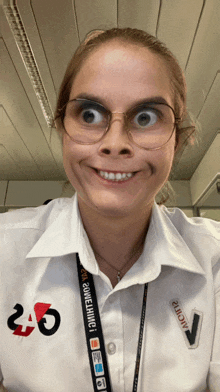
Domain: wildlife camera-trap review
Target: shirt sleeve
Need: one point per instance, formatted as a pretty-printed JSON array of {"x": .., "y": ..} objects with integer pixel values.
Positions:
[{"x": 214, "y": 370}]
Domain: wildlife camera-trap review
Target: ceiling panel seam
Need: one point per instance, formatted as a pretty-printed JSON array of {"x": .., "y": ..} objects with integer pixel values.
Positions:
[
  {"x": 43, "y": 47},
  {"x": 206, "y": 97},
  {"x": 21, "y": 139},
  {"x": 76, "y": 20},
  {"x": 34, "y": 113},
  {"x": 6, "y": 192},
  {"x": 158, "y": 17},
  {"x": 195, "y": 34},
  {"x": 16, "y": 163}
]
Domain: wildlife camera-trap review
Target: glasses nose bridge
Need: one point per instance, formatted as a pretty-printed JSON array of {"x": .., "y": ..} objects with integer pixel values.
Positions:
[{"x": 122, "y": 118}]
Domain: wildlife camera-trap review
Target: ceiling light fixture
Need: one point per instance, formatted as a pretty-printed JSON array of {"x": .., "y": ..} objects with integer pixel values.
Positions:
[{"x": 21, "y": 39}]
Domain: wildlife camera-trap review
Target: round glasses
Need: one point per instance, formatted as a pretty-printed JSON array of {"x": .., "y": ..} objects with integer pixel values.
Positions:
[{"x": 149, "y": 125}]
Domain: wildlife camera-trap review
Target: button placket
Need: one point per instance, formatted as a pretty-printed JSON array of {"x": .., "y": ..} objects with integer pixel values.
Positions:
[{"x": 112, "y": 323}]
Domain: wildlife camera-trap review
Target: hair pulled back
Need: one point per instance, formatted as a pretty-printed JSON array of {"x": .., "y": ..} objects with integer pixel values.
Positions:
[{"x": 130, "y": 36}]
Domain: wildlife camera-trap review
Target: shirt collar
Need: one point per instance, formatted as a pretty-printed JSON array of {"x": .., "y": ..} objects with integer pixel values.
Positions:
[
  {"x": 66, "y": 235},
  {"x": 163, "y": 245}
]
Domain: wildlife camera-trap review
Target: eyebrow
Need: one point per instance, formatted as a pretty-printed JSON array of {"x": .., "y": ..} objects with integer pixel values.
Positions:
[{"x": 91, "y": 97}]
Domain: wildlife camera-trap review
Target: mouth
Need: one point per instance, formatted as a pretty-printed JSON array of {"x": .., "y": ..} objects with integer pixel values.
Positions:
[{"x": 115, "y": 176}]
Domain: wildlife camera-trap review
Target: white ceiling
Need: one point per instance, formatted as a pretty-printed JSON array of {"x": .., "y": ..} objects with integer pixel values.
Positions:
[{"x": 190, "y": 28}]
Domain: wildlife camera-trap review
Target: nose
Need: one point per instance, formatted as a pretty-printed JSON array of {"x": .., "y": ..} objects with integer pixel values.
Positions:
[{"x": 116, "y": 141}]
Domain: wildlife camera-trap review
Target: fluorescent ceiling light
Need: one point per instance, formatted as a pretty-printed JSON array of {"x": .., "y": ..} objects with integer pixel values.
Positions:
[{"x": 21, "y": 39}]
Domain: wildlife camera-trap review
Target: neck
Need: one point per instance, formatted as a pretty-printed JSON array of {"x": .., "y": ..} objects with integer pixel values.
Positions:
[{"x": 117, "y": 242}]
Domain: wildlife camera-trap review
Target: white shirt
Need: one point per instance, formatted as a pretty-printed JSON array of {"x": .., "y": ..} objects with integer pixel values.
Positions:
[{"x": 38, "y": 272}]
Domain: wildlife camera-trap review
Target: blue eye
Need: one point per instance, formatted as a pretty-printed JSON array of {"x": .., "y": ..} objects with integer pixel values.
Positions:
[{"x": 146, "y": 118}]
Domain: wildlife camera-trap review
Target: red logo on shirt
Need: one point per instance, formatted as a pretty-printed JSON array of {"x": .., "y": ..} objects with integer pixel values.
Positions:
[{"x": 40, "y": 310}]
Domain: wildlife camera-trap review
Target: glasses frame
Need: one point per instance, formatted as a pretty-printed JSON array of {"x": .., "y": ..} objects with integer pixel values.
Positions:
[{"x": 176, "y": 121}]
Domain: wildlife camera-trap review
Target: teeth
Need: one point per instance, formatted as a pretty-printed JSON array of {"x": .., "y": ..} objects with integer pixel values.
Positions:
[
  {"x": 111, "y": 176},
  {"x": 115, "y": 177}
]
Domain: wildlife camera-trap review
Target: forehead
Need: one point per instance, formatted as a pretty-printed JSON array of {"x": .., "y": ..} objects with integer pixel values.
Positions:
[{"x": 121, "y": 74}]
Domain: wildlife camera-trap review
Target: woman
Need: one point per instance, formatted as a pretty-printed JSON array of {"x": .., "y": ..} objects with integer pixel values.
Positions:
[{"x": 119, "y": 112}]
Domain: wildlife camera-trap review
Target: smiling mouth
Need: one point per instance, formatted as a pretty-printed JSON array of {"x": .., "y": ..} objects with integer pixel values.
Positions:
[{"x": 117, "y": 177}]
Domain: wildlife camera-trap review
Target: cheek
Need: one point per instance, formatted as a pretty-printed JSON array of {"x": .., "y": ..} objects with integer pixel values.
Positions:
[
  {"x": 162, "y": 161},
  {"x": 70, "y": 159},
  {"x": 164, "y": 156},
  {"x": 72, "y": 152},
  {"x": 75, "y": 157}
]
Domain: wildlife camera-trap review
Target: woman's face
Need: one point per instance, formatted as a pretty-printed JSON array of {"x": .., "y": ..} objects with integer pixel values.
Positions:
[{"x": 119, "y": 76}]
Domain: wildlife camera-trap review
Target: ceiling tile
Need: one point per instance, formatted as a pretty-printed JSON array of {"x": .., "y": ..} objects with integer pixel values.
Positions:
[
  {"x": 177, "y": 25},
  {"x": 10, "y": 168},
  {"x": 204, "y": 61},
  {"x": 209, "y": 126},
  {"x": 140, "y": 14},
  {"x": 58, "y": 31},
  {"x": 209, "y": 117},
  {"x": 18, "y": 108},
  {"x": 95, "y": 14}
]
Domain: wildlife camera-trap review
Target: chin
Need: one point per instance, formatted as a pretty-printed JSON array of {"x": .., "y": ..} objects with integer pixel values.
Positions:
[
  {"x": 113, "y": 210},
  {"x": 110, "y": 208},
  {"x": 115, "y": 206}
]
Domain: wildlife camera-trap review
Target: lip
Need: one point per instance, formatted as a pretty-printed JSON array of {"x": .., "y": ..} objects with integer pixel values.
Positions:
[{"x": 114, "y": 171}]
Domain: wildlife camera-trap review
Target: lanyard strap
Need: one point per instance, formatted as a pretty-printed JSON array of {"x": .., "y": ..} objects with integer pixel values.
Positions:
[
  {"x": 141, "y": 333},
  {"x": 94, "y": 335}
]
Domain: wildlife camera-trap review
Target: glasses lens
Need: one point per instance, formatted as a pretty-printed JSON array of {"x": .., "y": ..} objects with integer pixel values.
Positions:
[
  {"x": 151, "y": 125},
  {"x": 85, "y": 121}
]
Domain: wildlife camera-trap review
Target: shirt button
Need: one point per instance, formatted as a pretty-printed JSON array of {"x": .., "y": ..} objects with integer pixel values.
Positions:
[{"x": 111, "y": 348}]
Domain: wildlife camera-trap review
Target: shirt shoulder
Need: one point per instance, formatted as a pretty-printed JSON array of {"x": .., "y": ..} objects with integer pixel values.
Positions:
[
  {"x": 21, "y": 229},
  {"x": 196, "y": 225},
  {"x": 201, "y": 236},
  {"x": 38, "y": 218}
]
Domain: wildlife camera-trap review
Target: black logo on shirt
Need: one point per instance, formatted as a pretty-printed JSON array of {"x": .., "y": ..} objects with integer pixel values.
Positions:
[
  {"x": 191, "y": 330},
  {"x": 40, "y": 310}
]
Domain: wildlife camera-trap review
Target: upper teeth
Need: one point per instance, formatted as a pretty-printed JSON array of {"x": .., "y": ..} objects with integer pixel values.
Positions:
[{"x": 115, "y": 176}]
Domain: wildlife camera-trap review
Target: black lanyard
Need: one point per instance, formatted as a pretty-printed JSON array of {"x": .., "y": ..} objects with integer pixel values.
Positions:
[{"x": 94, "y": 335}]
